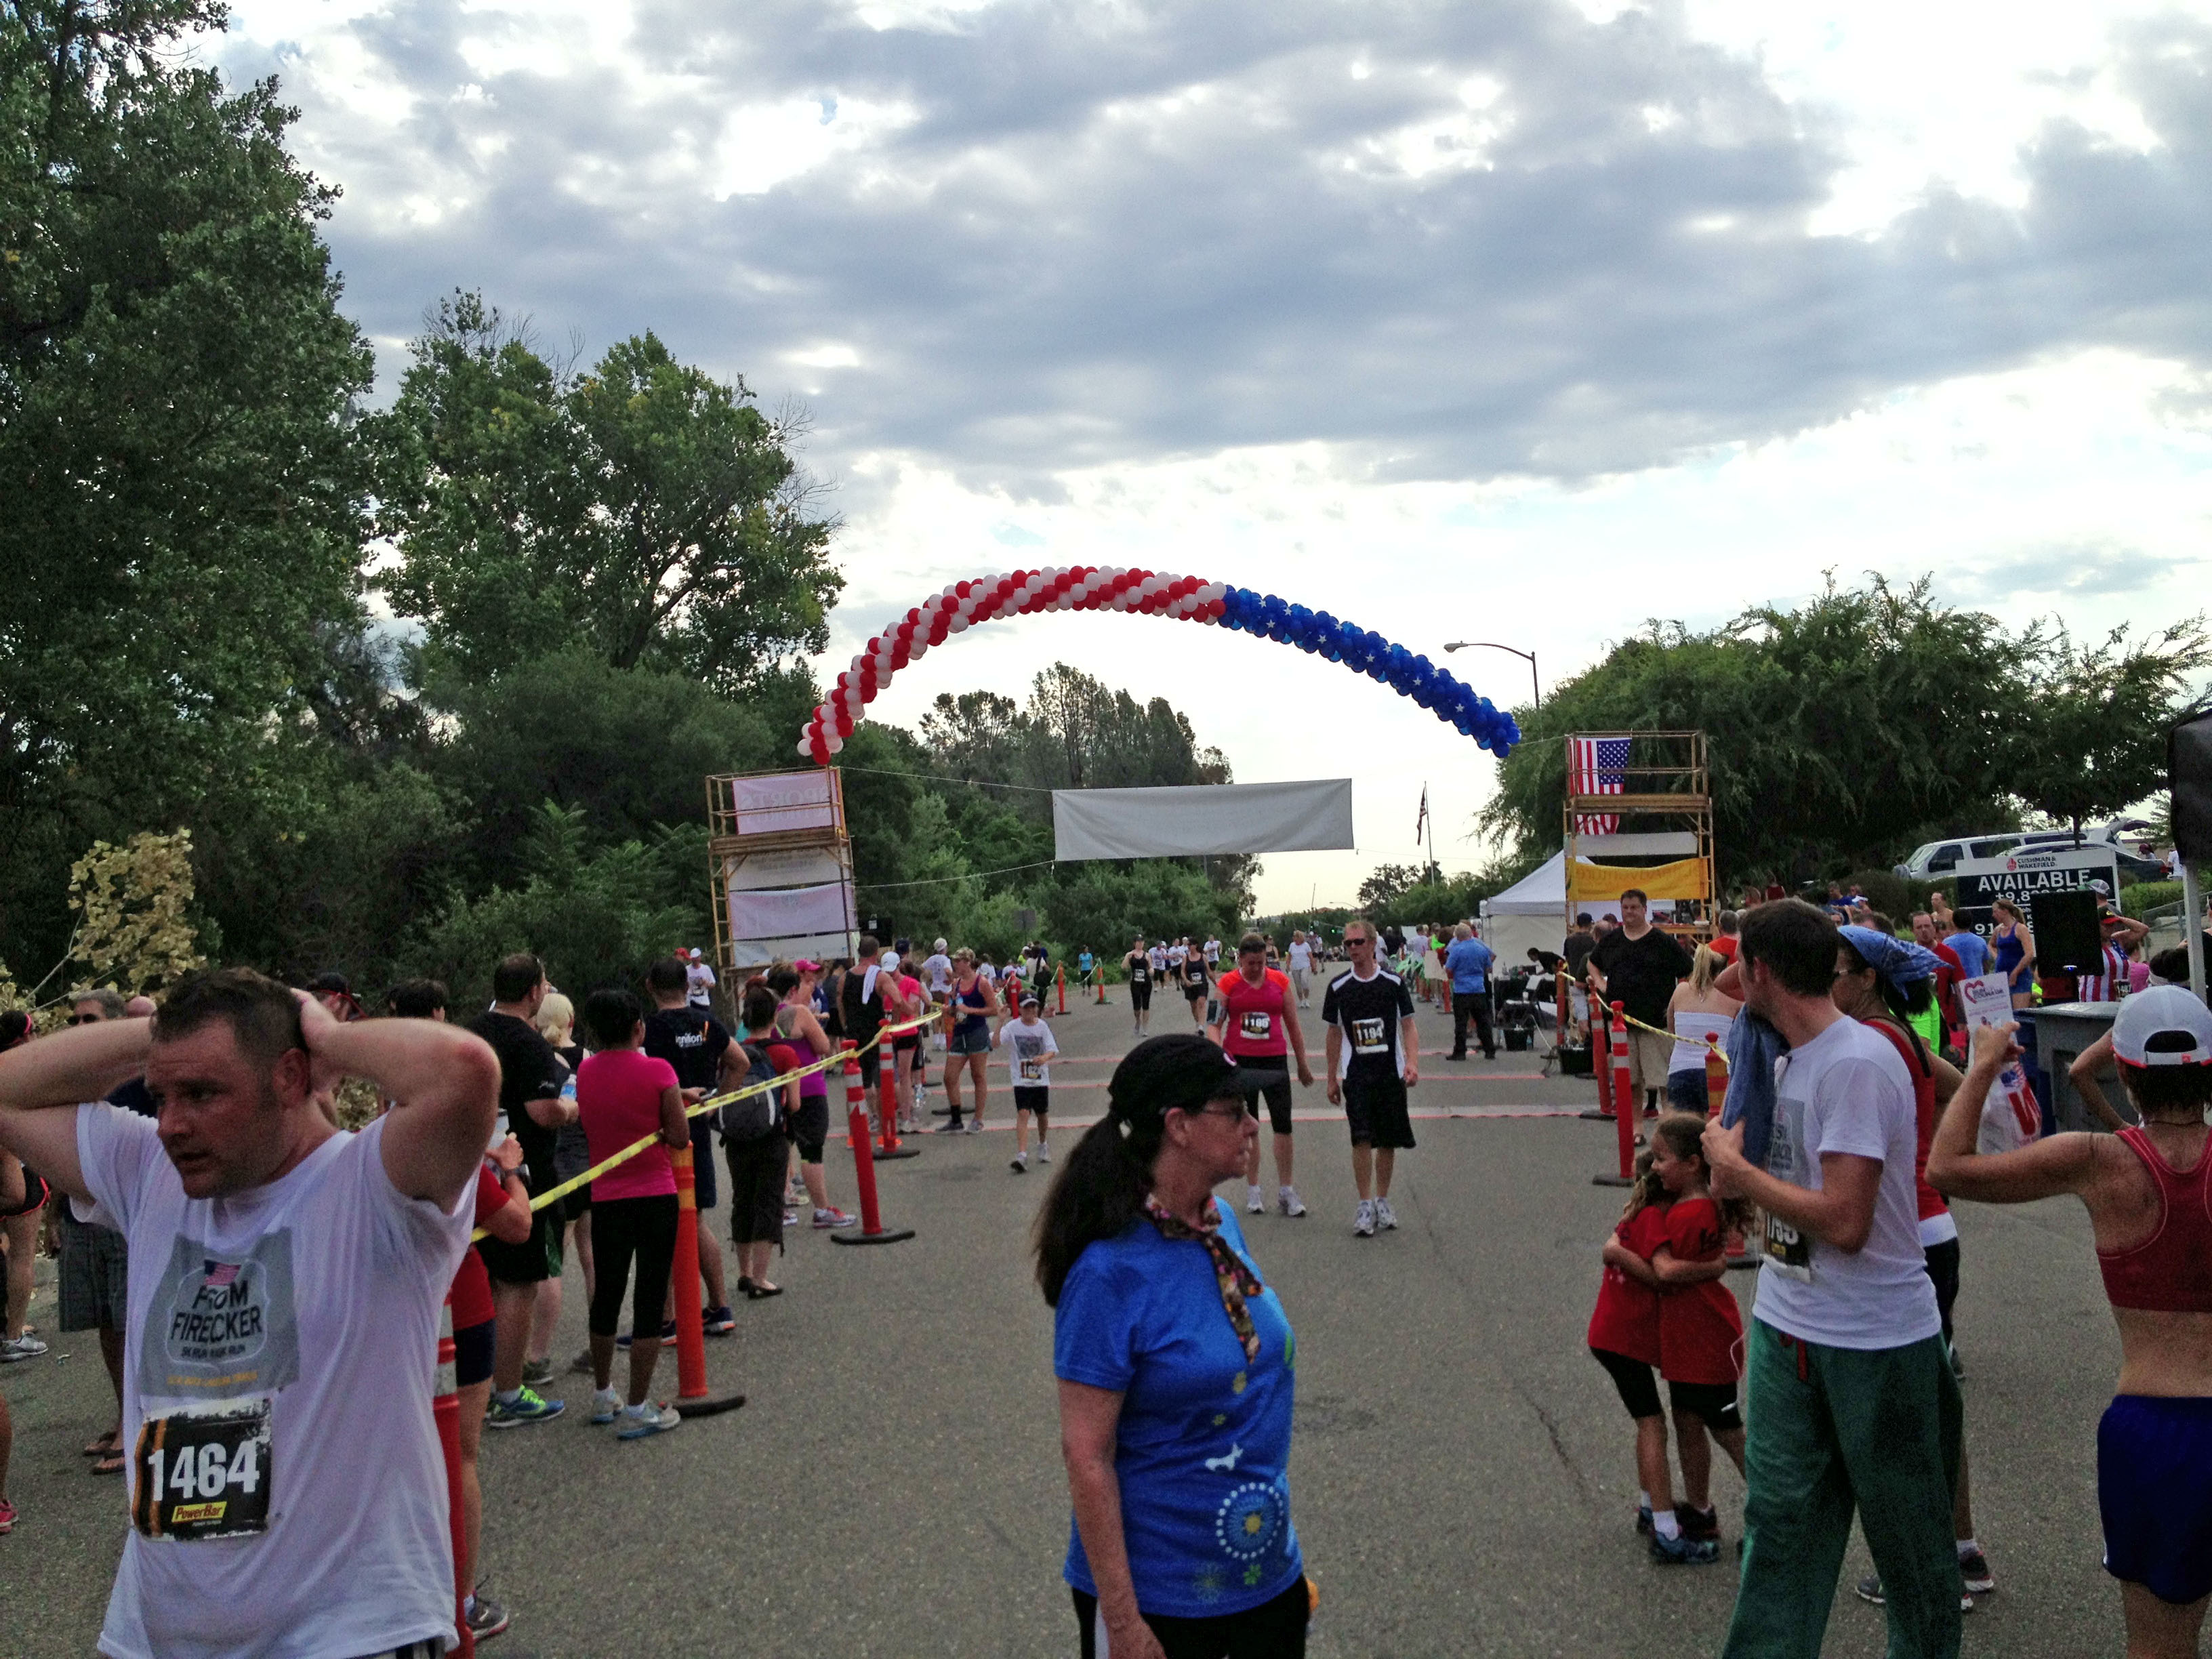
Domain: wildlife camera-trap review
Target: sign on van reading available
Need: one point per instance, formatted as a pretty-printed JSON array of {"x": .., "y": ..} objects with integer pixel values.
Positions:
[{"x": 2025, "y": 872}]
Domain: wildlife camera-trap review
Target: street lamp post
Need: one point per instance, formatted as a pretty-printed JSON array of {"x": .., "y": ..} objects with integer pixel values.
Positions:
[{"x": 1489, "y": 645}]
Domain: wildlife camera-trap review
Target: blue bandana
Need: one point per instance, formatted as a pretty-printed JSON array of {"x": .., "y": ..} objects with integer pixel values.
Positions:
[{"x": 1900, "y": 961}]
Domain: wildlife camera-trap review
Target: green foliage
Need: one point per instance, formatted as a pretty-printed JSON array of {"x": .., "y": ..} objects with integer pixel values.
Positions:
[
  {"x": 1886, "y": 890},
  {"x": 1106, "y": 905},
  {"x": 1844, "y": 732},
  {"x": 2144, "y": 897},
  {"x": 642, "y": 507},
  {"x": 2097, "y": 739}
]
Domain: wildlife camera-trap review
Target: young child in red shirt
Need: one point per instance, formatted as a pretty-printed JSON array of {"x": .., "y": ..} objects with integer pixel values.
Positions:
[{"x": 1624, "y": 1337}]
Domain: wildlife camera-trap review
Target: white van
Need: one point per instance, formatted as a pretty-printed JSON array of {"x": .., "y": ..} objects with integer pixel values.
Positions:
[{"x": 1941, "y": 858}]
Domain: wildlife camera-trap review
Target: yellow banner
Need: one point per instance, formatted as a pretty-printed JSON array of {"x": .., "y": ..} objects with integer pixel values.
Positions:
[{"x": 1685, "y": 878}]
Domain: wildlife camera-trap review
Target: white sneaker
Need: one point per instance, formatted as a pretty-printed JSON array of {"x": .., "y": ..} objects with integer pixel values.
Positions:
[
  {"x": 1288, "y": 1201},
  {"x": 1363, "y": 1224},
  {"x": 1385, "y": 1217},
  {"x": 639, "y": 1421},
  {"x": 1044, "y": 1153},
  {"x": 1254, "y": 1202},
  {"x": 606, "y": 1406},
  {"x": 17, "y": 1349}
]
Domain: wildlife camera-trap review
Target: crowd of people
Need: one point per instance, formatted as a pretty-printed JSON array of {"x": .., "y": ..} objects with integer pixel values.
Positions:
[{"x": 223, "y": 1234}]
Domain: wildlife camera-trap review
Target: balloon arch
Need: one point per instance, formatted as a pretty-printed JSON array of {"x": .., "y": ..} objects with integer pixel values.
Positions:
[{"x": 1186, "y": 598}]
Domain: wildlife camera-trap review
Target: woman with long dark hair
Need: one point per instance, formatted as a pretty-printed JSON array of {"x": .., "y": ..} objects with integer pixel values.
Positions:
[{"x": 1175, "y": 1365}]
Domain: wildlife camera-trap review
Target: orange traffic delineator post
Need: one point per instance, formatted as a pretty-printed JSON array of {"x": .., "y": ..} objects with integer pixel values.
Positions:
[
  {"x": 887, "y": 1110},
  {"x": 1600, "y": 1065},
  {"x": 692, "y": 1397},
  {"x": 1624, "y": 1103},
  {"x": 446, "y": 1407},
  {"x": 1060, "y": 975},
  {"x": 872, "y": 1230}
]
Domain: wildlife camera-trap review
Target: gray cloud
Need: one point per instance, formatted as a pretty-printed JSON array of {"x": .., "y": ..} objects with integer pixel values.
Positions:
[{"x": 1121, "y": 232}]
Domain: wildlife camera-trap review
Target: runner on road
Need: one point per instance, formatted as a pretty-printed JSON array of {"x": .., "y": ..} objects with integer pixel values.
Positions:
[
  {"x": 1138, "y": 964},
  {"x": 1030, "y": 1047},
  {"x": 1369, "y": 1075},
  {"x": 1196, "y": 985},
  {"x": 1258, "y": 1024},
  {"x": 1301, "y": 964}
]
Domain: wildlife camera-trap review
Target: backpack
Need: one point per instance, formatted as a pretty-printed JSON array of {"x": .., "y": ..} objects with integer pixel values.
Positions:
[{"x": 753, "y": 1115}]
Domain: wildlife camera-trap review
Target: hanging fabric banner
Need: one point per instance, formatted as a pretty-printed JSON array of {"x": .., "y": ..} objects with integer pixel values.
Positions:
[
  {"x": 1183, "y": 822},
  {"x": 1685, "y": 878}
]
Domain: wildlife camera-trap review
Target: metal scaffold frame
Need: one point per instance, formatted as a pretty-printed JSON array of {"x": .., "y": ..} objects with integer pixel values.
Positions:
[
  {"x": 1665, "y": 813},
  {"x": 762, "y": 845}
]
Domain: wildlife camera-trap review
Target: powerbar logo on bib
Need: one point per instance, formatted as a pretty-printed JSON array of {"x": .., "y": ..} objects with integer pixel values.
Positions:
[
  {"x": 1369, "y": 1037},
  {"x": 1258, "y": 1026}
]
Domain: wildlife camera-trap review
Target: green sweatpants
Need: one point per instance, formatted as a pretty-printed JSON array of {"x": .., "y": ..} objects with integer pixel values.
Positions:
[{"x": 1828, "y": 1430}]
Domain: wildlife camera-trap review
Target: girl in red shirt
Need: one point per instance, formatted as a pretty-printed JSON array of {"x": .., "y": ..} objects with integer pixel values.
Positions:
[{"x": 1624, "y": 1338}]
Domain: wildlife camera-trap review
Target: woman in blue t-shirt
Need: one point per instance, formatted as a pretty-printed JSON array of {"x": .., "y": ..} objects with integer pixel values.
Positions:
[{"x": 1175, "y": 1365}]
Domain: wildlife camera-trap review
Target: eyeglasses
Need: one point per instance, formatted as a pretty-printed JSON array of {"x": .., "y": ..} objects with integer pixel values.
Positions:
[
  {"x": 1224, "y": 1108},
  {"x": 86, "y": 1020}
]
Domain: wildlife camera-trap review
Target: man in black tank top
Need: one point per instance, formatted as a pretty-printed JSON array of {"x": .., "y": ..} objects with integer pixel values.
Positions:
[{"x": 862, "y": 1007}]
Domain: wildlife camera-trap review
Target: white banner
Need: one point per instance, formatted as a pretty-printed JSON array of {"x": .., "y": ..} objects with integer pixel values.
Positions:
[
  {"x": 782, "y": 801},
  {"x": 1182, "y": 823},
  {"x": 790, "y": 912}
]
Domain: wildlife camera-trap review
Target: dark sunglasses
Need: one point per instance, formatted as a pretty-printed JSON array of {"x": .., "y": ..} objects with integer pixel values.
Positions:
[{"x": 85, "y": 1019}]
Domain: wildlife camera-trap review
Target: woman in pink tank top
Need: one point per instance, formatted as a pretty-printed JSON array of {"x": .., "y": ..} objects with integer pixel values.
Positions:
[{"x": 2148, "y": 1191}]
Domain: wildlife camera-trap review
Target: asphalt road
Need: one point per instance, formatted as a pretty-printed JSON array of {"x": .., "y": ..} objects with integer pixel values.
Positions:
[{"x": 1463, "y": 1472}]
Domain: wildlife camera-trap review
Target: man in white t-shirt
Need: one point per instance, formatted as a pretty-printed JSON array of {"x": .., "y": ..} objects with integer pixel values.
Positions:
[
  {"x": 1301, "y": 965},
  {"x": 288, "y": 1494},
  {"x": 699, "y": 982},
  {"x": 1213, "y": 952},
  {"x": 1852, "y": 1402}
]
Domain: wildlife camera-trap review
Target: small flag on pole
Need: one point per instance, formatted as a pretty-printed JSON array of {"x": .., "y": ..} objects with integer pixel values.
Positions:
[{"x": 1422, "y": 822}]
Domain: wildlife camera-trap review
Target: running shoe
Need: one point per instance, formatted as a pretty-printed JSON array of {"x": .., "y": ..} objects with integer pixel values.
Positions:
[
  {"x": 1870, "y": 1589},
  {"x": 606, "y": 1406},
  {"x": 527, "y": 1407},
  {"x": 720, "y": 1322},
  {"x": 7, "y": 1516},
  {"x": 1974, "y": 1571},
  {"x": 1385, "y": 1217},
  {"x": 1696, "y": 1524},
  {"x": 951, "y": 1126},
  {"x": 581, "y": 1364},
  {"x": 667, "y": 1334},
  {"x": 1363, "y": 1224},
  {"x": 1020, "y": 1163},
  {"x": 17, "y": 1349},
  {"x": 1254, "y": 1202},
  {"x": 1643, "y": 1517},
  {"x": 1678, "y": 1552},
  {"x": 639, "y": 1421},
  {"x": 1044, "y": 1153},
  {"x": 1288, "y": 1201},
  {"x": 974, "y": 1125},
  {"x": 538, "y": 1371},
  {"x": 833, "y": 1218},
  {"x": 791, "y": 1217},
  {"x": 487, "y": 1619}
]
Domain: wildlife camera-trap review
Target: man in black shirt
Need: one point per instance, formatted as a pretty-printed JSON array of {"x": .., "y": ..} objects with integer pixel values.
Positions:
[
  {"x": 1374, "y": 1057},
  {"x": 529, "y": 1078},
  {"x": 687, "y": 1036},
  {"x": 861, "y": 1008},
  {"x": 1639, "y": 966},
  {"x": 1579, "y": 944}
]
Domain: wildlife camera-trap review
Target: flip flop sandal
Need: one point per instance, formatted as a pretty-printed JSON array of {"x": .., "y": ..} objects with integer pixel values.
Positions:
[
  {"x": 108, "y": 1445},
  {"x": 109, "y": 1465}
]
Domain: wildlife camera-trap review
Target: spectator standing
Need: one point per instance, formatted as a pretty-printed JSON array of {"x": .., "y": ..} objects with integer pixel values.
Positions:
[
  {"x": 756, "y": 1162},
  {"x": 1578, "y": 944},
  {"x": 1638, "y": 965},
  {"x": 337, "y": 1247},
  {"x": 1853, "y": 1405},
  {"x": 693, "y": 1043},
  {"x": 21, "y": 1218},
  {"x": 1724, "y": 940},
  {"x": 1468, "y": 962},
  {"x": 1174, "y": 1357},
  {"x": 2012, "y": 950},
  {"x": 807, "y": 1123},
  {"x": 1972, "y": 949},
  {"x": 698, "y": 982},
  {"x": 530, "y": 1094},
  {"x": 1700, "y": 1014},
  {"x": 1934, "y": 1023},
  {"x": 572, "y": 1156}
]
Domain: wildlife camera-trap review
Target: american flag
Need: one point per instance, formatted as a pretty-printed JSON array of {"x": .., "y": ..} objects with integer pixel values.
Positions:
[{"x": 1595, "y": 766}]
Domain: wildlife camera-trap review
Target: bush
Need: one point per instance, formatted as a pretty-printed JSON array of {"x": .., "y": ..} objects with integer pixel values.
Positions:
[
  {"x": 1887, "y": 891},
  {"x": 2146, "y": 896}
]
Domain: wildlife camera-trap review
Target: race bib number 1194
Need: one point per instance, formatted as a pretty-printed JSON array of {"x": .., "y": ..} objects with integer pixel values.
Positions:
[{"x": 203, "y": 1474}]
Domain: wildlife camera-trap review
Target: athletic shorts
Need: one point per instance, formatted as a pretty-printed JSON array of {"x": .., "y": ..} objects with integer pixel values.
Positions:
[
  {"x": 1140, "y": 996},
  {"x": 1272, "y": 1080},
  {"x": 1028, "y": 1097},
  {"x": 756, "y": 1172},
  {"x": 1374, "y": 1109},
  {"x": 1632, "y": 1378},
  {"x": 2155, "y": 1493},
  {"x": 1943, "y": 1271},
  {"x": 1712, "y": 1403},
  {"x": 93, "y": 1282},
  {"x": 810, "y": 1127},
  {"x": 1685, "y": 1091},
  {"x": 1196, "y": 993},
  {"x": 1276, "y": 1629},
  {"x": 909, "y": 1044},
  {"x": 703, "y": 1164},
  {"x": 623, "y": 1229},
  {"x": 971, "y": 1042},
  {"x": 530, "y": 1262},
  {"x": 473, "y": 1347}
]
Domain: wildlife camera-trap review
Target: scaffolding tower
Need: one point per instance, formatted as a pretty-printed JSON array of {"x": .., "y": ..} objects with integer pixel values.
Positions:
[{"x": 1656, "y": 790}]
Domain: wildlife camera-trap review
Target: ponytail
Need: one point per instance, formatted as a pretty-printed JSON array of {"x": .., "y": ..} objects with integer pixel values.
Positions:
[{"x": 1100, "y": 1190}]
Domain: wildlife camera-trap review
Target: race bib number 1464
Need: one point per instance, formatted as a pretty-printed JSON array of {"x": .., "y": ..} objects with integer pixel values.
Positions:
[{"x": 203, "y": 1474}]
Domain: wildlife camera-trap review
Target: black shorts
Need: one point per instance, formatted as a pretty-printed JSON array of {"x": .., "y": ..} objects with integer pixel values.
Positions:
[
  {"x": 473, "y": 1347},
  {"x": 1374, "y": 1108},
  {"x": 870, "y": 1063},
  {"x": 35, "y": 1192},
  {"x": 1639, "y": 1390},
  {"x": 1272, "y": 1080},
  {"x": 757, "y": 1170},
  {"x": 1714, "y": 1403},
  {"x": 530, "y": 1262},
  {"x": 1275, "y": 1628},
  {"x": 1029, "y": 1097},
  {"x": 623, "y": 1229},
  {"x": 703, "y": 1164},
  {"x": 810, "y": 1127},
  {"x": 1140, "y": 996},
  {"x": 1943, "y": 1270}
]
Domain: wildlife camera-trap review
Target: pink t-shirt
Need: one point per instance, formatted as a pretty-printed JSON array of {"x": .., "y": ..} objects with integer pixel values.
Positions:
[{"x": 618, "y": 1100}]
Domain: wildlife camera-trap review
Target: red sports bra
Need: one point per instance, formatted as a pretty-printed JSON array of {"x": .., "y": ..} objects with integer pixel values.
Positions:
[{"x": 2170, "y": 1271}]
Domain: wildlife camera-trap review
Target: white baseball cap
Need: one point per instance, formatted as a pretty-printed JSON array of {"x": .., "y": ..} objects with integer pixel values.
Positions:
[
  {"x": 2166, "y": 1025},
  {"x": 940, "y": 944}
]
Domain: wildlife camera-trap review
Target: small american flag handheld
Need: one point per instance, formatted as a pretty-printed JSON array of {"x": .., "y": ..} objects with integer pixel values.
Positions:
[{"x": 1595, "y": 766}]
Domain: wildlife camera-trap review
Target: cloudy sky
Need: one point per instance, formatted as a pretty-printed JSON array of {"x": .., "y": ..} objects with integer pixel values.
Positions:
[{"x": 1524, "y": 321}]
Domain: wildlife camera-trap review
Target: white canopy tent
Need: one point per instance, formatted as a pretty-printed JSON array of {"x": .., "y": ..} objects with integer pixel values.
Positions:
[{"x": 1534, "y": 910}]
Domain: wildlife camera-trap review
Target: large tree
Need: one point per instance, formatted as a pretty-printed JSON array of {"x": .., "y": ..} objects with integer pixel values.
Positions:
[
  {"x": 642, "y": 508},
  {"x": 183, "y": 520}
]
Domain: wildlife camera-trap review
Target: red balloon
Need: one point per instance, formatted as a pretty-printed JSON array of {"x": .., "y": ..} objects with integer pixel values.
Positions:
[{"x": 844, "y": 724}]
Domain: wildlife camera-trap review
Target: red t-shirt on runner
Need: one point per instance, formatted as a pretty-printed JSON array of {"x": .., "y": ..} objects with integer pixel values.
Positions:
[
  {"x": 1700, "y": 1327},
  {"x": 1627, "y": 1319},
  {"x": 471, "y": 1293},
  {"x": 618, "y": 1100},
  {"x": 1252, "y": 1015}
]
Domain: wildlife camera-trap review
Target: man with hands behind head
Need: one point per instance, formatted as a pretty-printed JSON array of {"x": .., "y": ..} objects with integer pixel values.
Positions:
[{"x": 287, "y": 1490}]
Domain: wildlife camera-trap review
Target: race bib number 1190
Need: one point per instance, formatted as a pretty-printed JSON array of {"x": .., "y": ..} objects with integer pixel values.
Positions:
[{"x": 203, "y": 1474}]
